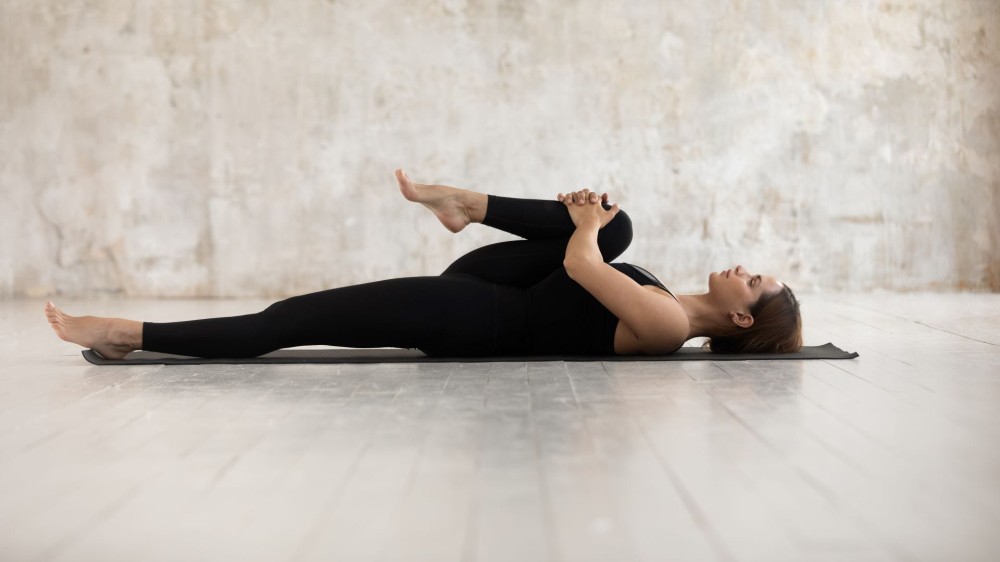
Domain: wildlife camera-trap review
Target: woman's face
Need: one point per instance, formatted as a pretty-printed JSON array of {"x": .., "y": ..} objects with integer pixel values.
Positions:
[{"x": 737, "y": 289}]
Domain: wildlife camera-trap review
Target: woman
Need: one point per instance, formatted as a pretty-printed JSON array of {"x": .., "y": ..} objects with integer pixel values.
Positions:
[{"x": 554, "y": 292}]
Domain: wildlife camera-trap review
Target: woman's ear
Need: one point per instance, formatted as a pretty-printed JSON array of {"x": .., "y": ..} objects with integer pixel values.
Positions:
[{"x": 741, "y": 319}]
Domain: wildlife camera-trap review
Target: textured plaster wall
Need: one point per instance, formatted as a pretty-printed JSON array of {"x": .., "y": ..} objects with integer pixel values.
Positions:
[{"x": 234, "y": 147}]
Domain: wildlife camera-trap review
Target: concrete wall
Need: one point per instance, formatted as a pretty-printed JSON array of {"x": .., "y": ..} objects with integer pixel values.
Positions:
[{"x": 234, "y": 147}]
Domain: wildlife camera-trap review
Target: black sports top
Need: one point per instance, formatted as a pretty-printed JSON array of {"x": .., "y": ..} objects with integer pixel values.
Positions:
[
  {"x": 565, "y": 319},
  {"x": 644, "y": 278}
]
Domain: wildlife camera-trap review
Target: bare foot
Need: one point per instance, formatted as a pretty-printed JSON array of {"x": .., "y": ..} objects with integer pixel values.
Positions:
[
  {"x": 113, "y": 338},
  {"x": 447, "y": 202}
]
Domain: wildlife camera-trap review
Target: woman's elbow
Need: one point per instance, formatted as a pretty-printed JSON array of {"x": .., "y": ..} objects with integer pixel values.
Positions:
[
  {"x": 572, "y": 266},
  {"x": 577, "y": 266}
]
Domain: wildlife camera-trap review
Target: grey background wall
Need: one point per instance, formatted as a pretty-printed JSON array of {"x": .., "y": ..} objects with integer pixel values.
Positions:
[{"x": 228, "y": 147}]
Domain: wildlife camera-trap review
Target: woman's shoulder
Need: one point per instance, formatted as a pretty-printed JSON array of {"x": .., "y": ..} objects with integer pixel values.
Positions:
[{"x": 665, "y": 328}]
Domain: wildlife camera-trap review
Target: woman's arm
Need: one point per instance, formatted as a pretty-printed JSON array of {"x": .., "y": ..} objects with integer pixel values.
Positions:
[{"x": 658, "y": 324}]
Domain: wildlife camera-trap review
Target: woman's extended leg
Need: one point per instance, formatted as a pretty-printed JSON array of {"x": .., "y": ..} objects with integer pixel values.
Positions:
[{"x": 440, "y": 315}]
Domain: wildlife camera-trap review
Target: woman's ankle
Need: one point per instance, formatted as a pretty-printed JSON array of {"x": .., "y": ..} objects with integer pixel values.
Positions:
[
  {"x": 128, "y": 333},
  {"x": 475, "y": 204}
]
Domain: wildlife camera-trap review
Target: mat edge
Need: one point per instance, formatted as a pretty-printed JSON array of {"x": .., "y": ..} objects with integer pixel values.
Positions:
[{"x": 95, "y": 358}]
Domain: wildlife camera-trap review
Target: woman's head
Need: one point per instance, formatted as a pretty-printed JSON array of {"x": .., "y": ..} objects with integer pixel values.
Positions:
[{"x": 762, "y": 314}]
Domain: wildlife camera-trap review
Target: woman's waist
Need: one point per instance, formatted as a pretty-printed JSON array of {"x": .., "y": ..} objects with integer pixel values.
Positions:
[{"x": 565, "y": 318}]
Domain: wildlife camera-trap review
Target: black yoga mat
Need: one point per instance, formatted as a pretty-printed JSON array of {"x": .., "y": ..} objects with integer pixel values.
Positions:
[{"x": 337, "y": 355}]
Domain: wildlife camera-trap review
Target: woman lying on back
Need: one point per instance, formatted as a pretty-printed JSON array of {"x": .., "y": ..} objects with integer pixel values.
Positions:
[{"x": 554, "y": 292}]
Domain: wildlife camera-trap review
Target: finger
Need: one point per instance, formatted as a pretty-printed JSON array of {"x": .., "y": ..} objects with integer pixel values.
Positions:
[
  {"x": 604, "y": 198},
  {"x": 560, "y": 197},
  {"x": 594, "y": 198},
  {"x": 614, "y": 210}
]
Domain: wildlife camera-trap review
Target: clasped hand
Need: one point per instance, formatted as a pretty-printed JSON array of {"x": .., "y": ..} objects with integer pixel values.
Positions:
[{"x": 586, "y": 206}]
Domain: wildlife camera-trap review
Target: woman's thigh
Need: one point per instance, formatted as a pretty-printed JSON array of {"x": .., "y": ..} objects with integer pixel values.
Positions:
[
  {"x": 441, "y": 315},
  {"x": 522, "y": 263}
]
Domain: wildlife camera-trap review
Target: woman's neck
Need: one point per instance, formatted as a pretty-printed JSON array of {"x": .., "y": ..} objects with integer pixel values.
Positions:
[{"x": 703, "y": 316}]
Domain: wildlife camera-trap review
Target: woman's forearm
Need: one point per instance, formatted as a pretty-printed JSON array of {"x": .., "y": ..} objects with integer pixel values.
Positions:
[{"x": 582, "y": 250}]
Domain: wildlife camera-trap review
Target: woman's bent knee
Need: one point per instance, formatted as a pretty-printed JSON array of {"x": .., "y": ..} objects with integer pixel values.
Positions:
[{"x": 615, "y": 237}]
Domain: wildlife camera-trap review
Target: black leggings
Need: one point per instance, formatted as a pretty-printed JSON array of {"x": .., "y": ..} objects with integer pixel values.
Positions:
[{"x": 476, "y": 307}]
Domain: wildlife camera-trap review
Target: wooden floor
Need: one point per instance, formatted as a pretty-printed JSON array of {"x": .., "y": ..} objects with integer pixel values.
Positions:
[{"x": 892, "y": 456}]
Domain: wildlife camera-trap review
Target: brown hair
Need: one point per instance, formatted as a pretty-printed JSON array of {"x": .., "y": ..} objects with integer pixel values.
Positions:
[{"x": 777, "y": 327}]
